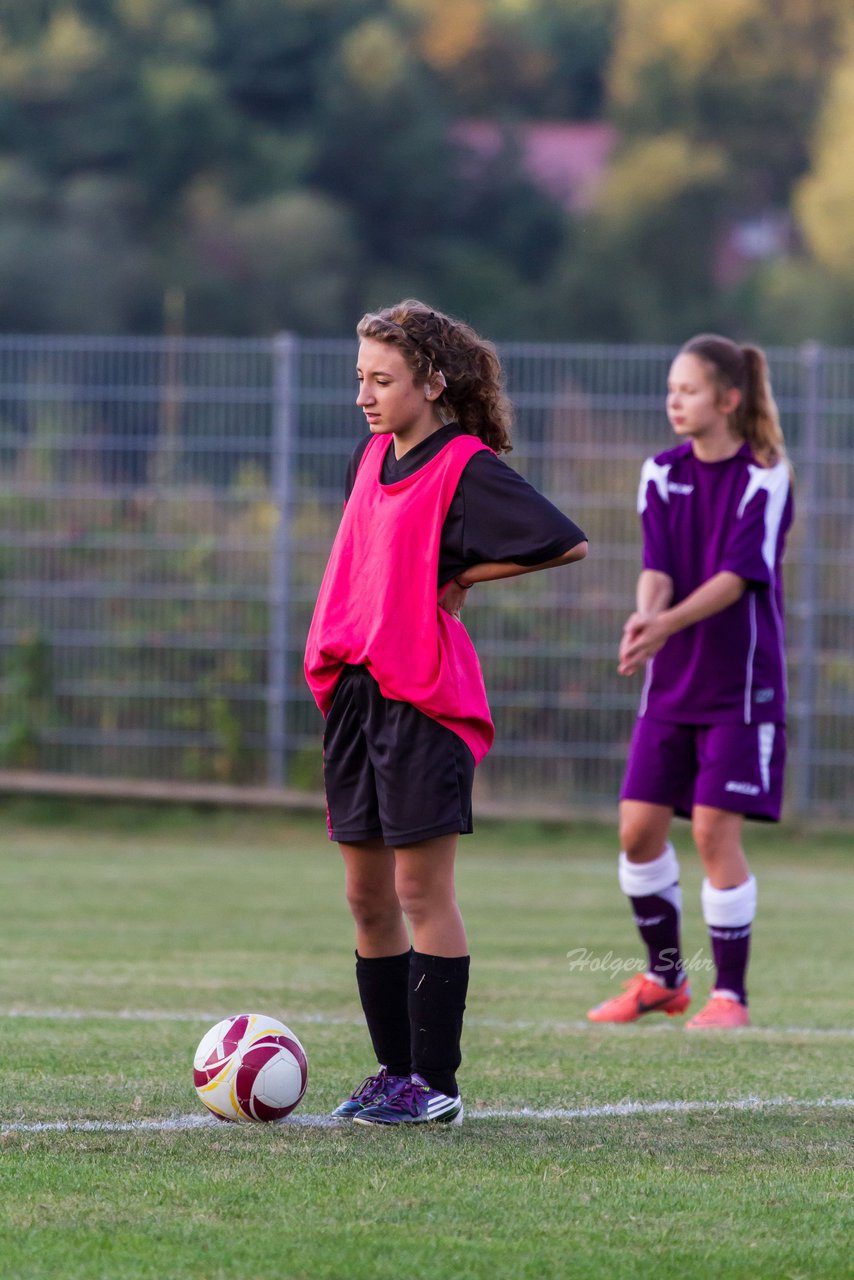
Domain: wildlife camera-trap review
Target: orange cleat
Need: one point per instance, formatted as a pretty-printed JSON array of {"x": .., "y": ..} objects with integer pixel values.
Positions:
[
  {"x": 642, "y": 995},
  {"x": 721, "y": 1012}
]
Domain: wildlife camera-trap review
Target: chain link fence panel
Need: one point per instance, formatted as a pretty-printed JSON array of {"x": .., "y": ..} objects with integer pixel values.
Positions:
[{"x": 167, "y": 507}]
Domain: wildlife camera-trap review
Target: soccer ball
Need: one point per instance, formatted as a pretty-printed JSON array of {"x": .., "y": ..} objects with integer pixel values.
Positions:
[{"x": 249, "y": 1067}]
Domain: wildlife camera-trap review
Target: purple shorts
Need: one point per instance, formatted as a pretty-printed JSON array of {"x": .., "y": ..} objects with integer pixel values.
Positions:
[{"x": 735, "y": 767}]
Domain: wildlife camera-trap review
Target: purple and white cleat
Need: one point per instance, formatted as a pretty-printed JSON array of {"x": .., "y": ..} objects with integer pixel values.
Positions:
[
  {"x": 414, "y": 1103},
  {"x": 372, "y": 1090}
]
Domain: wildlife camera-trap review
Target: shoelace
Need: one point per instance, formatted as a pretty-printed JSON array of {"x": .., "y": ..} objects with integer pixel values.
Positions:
[
  {"x": 408, "y": 1098},
  {"x": 370, "y": 1084}
]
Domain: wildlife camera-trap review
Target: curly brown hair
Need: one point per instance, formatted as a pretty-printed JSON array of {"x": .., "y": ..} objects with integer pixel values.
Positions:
[{"x": 433, "y": 343}]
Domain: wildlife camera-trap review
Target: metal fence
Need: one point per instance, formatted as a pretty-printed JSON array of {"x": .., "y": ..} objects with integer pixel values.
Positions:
[{"x": 167, "y": 506}]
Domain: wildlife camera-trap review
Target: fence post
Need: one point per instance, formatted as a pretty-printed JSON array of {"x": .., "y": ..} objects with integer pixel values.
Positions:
[
  {"x": 809, "y": 602},
  {"x": 285, "y": 378}
]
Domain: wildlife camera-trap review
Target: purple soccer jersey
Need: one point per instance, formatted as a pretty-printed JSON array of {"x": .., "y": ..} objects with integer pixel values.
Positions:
[{"x": 699, "y": 519}]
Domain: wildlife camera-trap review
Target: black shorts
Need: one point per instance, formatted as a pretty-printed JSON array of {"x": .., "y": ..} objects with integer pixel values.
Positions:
[{"x": 391, "y": 773}]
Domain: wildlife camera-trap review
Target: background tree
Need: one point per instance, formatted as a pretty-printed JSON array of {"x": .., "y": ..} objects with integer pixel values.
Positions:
[
  {"x": 530, "y": 59},
  {"x": 286, "y": 163},
  {"x": 716, "y": 107},
  {"x": 281, "y": 162},
  {"x": 825, "y": 198}
]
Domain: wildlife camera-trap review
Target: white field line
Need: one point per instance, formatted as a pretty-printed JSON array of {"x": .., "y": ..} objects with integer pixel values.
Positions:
[
  {"x": 297, "y": 1019},
  {"x": 622, "y": 1109}
]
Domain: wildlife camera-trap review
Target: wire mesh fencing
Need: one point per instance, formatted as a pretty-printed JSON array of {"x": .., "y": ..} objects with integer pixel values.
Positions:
[{"x": 167, "y": 507}]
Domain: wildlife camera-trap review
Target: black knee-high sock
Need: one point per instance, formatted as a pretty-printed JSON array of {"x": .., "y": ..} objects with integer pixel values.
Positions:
[
  {"x": 437, "y": 1001},
  {"x": 384, "y": 992},
  {"x": 729, "y": 915},
  {"x": 653, "y": 890}
]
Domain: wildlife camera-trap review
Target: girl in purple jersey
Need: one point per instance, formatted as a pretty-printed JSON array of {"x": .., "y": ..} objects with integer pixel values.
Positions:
[
  {"x": 430, "y": 510},
  {"x": 709, "y": 742}
]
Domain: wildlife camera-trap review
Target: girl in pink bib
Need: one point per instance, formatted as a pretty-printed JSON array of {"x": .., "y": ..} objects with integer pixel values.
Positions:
[{"x": 430, "y": 511}]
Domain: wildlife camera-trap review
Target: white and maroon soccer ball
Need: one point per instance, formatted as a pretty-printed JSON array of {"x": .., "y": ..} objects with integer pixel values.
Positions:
[{"x": 249, "y": 1067}]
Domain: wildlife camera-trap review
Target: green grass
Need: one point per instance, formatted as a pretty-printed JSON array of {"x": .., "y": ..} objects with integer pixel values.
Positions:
[{"x": 150, "y": 925}]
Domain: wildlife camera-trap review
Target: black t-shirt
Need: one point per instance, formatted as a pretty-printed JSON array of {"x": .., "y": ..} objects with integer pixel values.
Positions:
[{"x": 494, "y": 514}]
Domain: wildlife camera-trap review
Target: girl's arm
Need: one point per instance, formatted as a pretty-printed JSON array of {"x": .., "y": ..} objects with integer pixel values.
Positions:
[
  {"x": 654, "y": 593},
  {"x": 504, "y": 528},
  {"x": 644, "y": 635},
  {"x": 454, "y": 596},
  {"x": 491, "y": 571}
]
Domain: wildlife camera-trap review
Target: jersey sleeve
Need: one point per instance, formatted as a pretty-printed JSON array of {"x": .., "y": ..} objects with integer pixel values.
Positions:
[
  {"x": 505, "y": 518},
  {"x": 762, "y": 517},
  {"x": 654, "y": 510}
]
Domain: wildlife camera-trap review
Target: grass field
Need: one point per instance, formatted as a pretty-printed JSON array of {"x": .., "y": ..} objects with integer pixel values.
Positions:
[{"x": 587, "y": 1152}]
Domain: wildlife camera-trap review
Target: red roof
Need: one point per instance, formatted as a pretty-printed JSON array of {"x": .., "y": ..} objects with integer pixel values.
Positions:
[{"x": 566, "y": 160}]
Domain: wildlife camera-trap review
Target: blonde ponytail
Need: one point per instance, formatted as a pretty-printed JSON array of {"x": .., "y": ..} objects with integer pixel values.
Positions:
[{"x": 756, "y": 419}]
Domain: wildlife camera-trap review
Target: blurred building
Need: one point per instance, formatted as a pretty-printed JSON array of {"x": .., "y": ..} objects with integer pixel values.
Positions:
[{"x": 566, "y": 160}]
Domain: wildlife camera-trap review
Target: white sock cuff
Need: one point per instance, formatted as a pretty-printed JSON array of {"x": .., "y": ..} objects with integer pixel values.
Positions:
[
  {"x": 639, "y": 879},
  {"x": 729, "y": 908}
]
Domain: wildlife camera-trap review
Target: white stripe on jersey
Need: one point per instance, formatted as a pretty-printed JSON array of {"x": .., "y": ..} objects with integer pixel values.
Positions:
[
  {"x": 654, "y": 472},
  {"x": 644, "y": 699},
  {"x": 775, "y": 481},
  {"x": 766, "y": 750},
  {"x": 751, "y": 652},
  {"x": 778, "y": 625}
]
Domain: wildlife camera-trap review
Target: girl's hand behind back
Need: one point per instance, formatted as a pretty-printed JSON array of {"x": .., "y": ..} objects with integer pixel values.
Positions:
[{"x": 453, "y": 599}]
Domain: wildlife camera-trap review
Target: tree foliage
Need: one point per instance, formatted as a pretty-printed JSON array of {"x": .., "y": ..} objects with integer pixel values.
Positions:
[
  {"x": 745, "y": 75},
  {"x": 825, "y": 199},
  {"x": 286, "y": 163},
  {"x": 277, "y": 161},
  {"x": 716, "y": 107}
]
